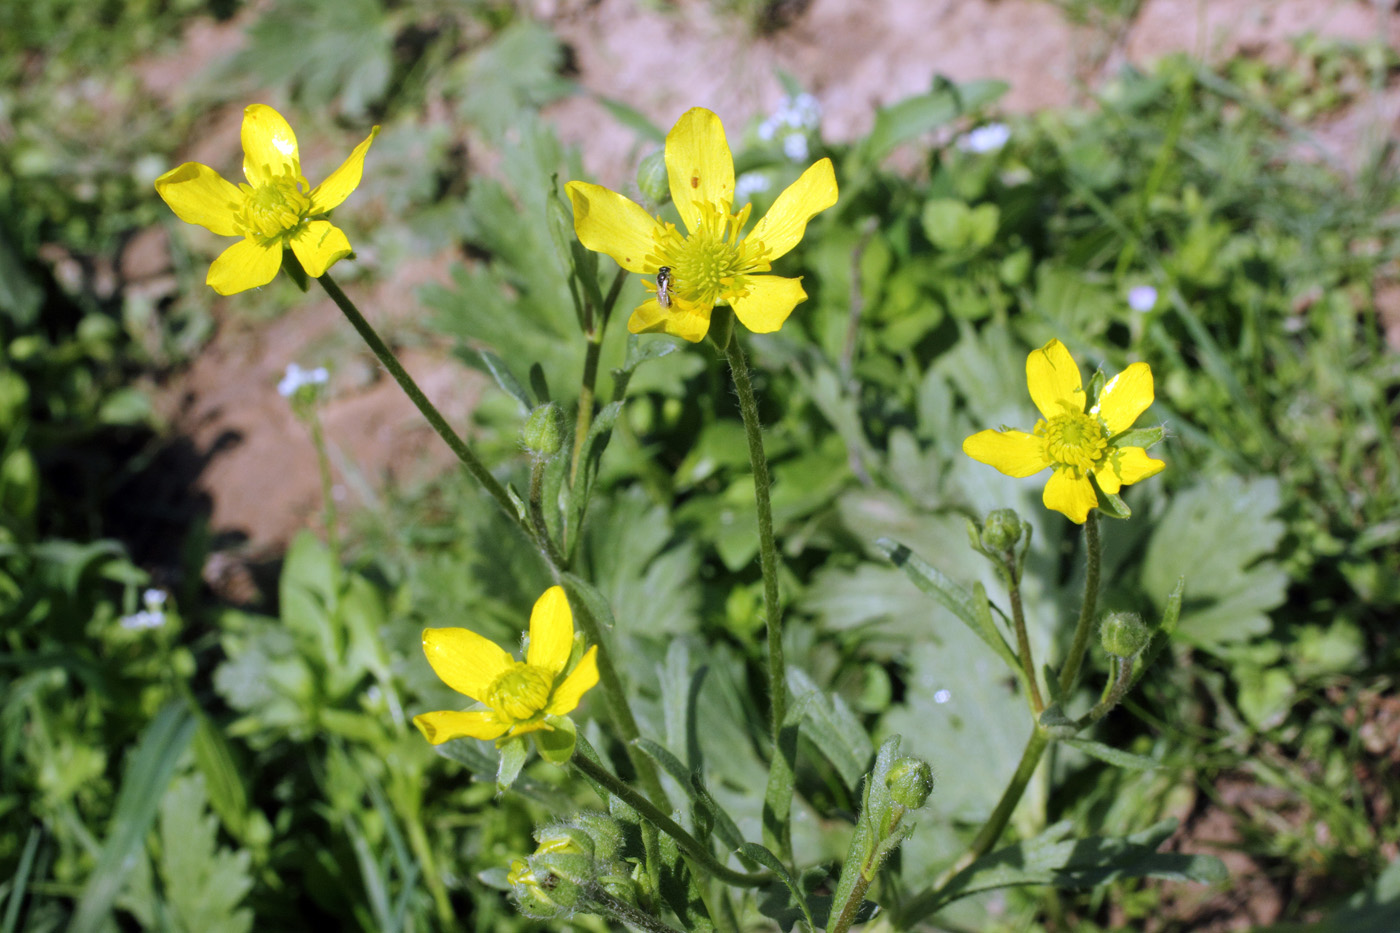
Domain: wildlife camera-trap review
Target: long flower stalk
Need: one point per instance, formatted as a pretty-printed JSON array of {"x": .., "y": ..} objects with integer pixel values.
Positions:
[{"x": 778, "y": 800}]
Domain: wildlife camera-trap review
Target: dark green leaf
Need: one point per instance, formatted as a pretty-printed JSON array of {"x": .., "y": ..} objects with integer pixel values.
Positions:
[
  {"x": 148, "y": 773},
  {"x": 757, "y": 853},
  {"x": 1112, "y": 755}
]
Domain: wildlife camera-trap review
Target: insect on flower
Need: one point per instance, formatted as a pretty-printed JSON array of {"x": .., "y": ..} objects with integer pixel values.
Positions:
[{"x": 663, "y": 286}]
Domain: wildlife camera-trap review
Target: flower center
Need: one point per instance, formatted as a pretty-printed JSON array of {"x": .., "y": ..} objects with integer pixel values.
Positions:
[
  {"x": 521, "y": 692},
  {"x": 1073, "y": 439},
  {"x": 710, "y": 264},
  {"x": 275, "y": 208}
]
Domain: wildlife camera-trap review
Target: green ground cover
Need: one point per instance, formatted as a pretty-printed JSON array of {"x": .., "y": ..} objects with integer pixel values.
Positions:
[{"x": 241, "y": 768}]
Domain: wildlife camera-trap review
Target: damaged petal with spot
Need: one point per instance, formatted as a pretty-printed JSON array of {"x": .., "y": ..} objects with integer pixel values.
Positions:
[{"x": 711, "y": 259}]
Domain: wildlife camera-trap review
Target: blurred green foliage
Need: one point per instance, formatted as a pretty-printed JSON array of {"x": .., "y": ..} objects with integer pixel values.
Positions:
[{"x": 232, "y": 769}]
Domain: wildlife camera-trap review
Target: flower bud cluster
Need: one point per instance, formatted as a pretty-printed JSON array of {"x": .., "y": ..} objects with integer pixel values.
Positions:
[{"x": 576, "y": 860}]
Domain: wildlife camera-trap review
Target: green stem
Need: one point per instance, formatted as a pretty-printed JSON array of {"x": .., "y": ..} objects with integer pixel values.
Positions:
[
  {"x": 323, "y": 466},
  {"x": 425, "y": 407},
  {"x": 536, "y": 507},
  {"x": 652, "y": 813},
  {"x": 585, "y": 400},
  {"x": 1122, "y": 682},
  {"x": 604, "y": 903},
  {"x": 1023, "y": 642},
  {"x": 619, "y": 709},
  {"x": 1087, "y": 608},
  {"x": 991, "y": 831},
  {"x": 863, "y": 881},
  {"x": 777, "y": 824},
  {"x": 588, "y": 388}
]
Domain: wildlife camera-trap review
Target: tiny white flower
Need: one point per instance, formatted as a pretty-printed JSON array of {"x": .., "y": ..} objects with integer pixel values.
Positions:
[
  {"x": 297, "y": 377},
  {"x": 768, "y": 129},
  {"x": 804, "y": 111},
  {"x": 749, "y": 184},
  {"x": 795, "y": 147},
  {"x": 154, "y": 598},
  {"x": 985, "y": 139},
  {"x": 942, "y": 696},
  {"x": 145, "y": 619},
  {"x": 1142, "y": 298}
]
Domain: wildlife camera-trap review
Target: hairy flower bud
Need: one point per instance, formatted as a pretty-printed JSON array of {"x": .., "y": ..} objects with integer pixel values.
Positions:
[
  {"x": 602, "y": 834},
  {"x": 543, "y": 434},
  {"x": 542, "y": 894},
  {"x": 910, "y": 781},
  {"x": 1124, "y": 634},
  {"x": 1001, "y": 530}
]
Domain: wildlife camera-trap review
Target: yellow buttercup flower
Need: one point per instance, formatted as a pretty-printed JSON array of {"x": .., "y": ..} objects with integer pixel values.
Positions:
[
  {"x": 519, "y": 695},
  {"x": 272, "y": 211},
  {"x": 710, "y": 264},
  {"x": 1073, "y": 439}
]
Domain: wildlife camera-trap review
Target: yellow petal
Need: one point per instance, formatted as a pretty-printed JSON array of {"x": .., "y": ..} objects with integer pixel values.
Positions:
[
  {"x": 1126, "y": 396},
  {"x": 769, "y": 301},
  {"x": 1054, "y": 380},
  {"x": 782, "y": 227},
  {"x": 269, "y": 145},
  {"x": 682, "y": 319},
  {"x": 319, "y": 245},
  {"x": 244, "y": 265},
  {"x": 1125, "y": 466},
  {"x": 466, "y": 662},
  {"x": 579, "y": 682},
  {"x": 607, "y": 222},
  {"x": 1014, "y": 453},
  {"x": 446, "y": 725},
  {"x": 342, "y": 181},
  {"x": 551, "y": 631},
  {"x": 1074, "y": 496},
  {"x": 199, "y": 195},
  {"x": 699, "y": 165}
]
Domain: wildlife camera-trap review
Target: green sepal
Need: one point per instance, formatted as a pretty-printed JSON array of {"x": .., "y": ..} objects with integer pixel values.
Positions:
[
  {"x": 294, "y": 269},
  {"x": 556, "y": 745},
  {"x": 1096, "y": 384},
  {"x": 522, "y": 511},
  {"x": 1141, "y": 437},
  {"x": 1112, "y": 505},
  {"x": 721, "y": 326},
  {"x": 513, "y": 751}
]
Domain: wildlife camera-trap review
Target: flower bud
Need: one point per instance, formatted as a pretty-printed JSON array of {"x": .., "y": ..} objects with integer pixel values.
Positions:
[
  {"x": 541, "y": 894},
  {"x": 543, "y": 433},
  {"x": 604, "y": 834},
  {"x": 652, "y": 181},
  {"x": 910, "y": 781},
  {"x": 1001, "y": 530},
  {"x": 1124, "y": 634}
]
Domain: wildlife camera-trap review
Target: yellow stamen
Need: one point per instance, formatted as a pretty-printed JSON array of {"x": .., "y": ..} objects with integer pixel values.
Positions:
[
  {"x": 272, "y": 210},
  {"x": 520, "y": 692},
  {"x": 1073, "y": 439},
  {"x": 710, "y": 264}
]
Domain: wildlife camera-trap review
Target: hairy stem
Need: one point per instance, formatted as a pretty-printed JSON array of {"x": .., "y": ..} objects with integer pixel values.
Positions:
[
  {"x": 1070, "y": 672},
  {"x": 420, "y": 401},
  {"x": 1023, "y": 642},
  {"x": 323, "y": 467},
  {"x": 687, "y": 843},
  {"x": 777, "y": 823}
]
